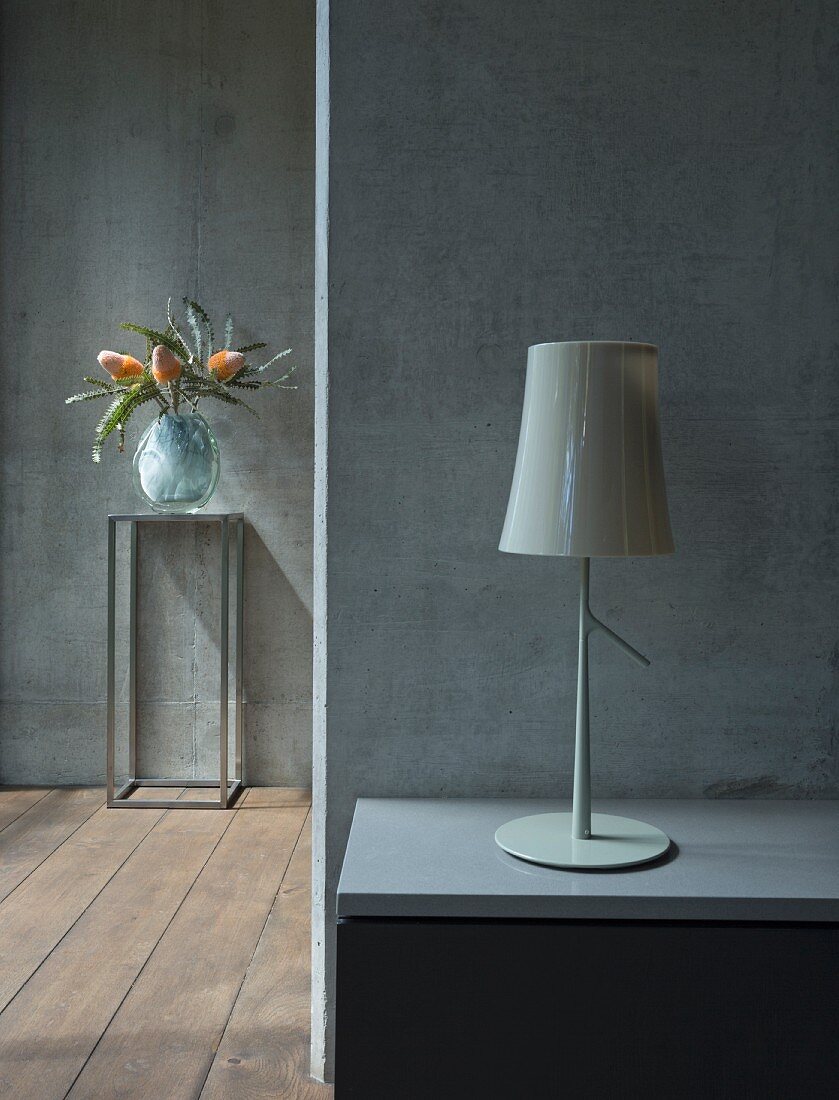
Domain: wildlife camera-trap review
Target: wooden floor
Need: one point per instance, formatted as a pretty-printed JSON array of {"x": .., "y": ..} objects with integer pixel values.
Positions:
[{"x": 161, "y": 954}]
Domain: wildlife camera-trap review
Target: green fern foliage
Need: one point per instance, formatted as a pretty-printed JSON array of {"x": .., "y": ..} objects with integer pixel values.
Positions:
[
  {"x": 194, "y": 380},
  {"x": 88, "y": 396}
]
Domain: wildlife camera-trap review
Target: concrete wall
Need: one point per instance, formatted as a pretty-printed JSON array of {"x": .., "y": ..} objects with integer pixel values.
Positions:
[
  {"x": 149, "y": 150},
  {"x": 503, "y": 174}
]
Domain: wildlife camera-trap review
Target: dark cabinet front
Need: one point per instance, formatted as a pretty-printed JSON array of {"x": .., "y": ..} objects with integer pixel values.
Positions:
[{"x": 603, "y": 1010}]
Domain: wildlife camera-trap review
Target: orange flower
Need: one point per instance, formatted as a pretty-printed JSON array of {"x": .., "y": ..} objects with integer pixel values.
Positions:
[
  {"x": 120, "y": 366},
  {"x": 224, "y": 364},
  {"x": 164, "y": 365}
]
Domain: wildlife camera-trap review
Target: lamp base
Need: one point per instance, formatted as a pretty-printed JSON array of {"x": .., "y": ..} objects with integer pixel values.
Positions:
[{"x": 614, "y": 841}]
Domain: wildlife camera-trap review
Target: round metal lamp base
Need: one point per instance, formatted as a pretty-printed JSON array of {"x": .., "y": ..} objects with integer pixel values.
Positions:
[{"x": 615, "y": 841}]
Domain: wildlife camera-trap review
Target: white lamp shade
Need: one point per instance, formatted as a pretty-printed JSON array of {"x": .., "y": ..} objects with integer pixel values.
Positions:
[{"x": 589, "y": 479}]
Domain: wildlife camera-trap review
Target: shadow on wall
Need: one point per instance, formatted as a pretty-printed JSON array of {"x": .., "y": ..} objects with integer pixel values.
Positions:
[{"x": 277, "y": 684}]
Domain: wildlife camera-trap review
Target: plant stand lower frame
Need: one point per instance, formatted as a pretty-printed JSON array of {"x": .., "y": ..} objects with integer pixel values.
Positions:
[{"x": 229, "y": 787}]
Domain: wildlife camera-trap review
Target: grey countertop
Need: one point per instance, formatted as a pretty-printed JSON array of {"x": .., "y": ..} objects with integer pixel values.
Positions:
[{"x": 731, "y": 860}]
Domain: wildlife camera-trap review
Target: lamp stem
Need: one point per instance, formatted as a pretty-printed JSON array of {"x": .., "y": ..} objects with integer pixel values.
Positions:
[
  {"x": 589, "y": 623},
  {"x": 581, "y": 806}
]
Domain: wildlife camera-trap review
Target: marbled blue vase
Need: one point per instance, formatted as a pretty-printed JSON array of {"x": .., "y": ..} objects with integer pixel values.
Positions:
[{"x": 176, "y": 466}]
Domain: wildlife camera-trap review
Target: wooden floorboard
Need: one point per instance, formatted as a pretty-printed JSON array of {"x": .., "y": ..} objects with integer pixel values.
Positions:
[
  {"x": 200, "y": 794},
  {"x": 149, "y": 953},
  {"x": 40, "y": 911},
  {"x": 13, "y": 803},
  {"x": 35, "y": 835},
  {"x": 50, "y": 1029},
  {"x": 276, "y": 796},
  {"x": 161, "y": 1041},
  {"x": 264, "y": 1052},
  {"x": 155, "y": 792}
]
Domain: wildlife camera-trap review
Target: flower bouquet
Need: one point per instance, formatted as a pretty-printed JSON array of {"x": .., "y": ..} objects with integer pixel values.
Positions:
[{"x": 176, "y": 465}]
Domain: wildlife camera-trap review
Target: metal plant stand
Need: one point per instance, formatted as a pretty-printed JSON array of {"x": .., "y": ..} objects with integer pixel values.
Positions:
[{"x": 229, "y": 787}]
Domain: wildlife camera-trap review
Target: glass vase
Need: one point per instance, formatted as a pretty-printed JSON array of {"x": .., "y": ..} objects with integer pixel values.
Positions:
[{"x": 176, "y": 465}]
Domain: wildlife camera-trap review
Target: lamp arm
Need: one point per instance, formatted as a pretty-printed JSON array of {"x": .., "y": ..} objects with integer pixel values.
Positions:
[{"x": 595, "y": 624}]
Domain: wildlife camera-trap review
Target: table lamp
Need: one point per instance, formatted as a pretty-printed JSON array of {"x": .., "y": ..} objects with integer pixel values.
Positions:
[{"x": 588, "y": 483}]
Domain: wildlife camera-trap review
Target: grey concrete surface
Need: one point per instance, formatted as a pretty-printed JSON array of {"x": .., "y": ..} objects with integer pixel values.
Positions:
[
  {"x": 149, "y": 150},
  {"x": 503, "y": 174}
]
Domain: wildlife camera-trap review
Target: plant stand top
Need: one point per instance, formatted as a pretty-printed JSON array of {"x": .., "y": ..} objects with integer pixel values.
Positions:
[{"x": 175, "y": 517}]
